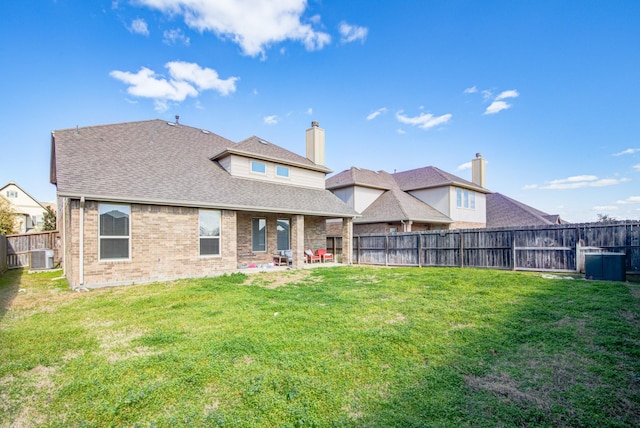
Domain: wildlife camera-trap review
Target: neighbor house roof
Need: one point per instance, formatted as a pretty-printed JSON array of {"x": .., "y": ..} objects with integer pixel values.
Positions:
[
  {"x": 392, "y": 205},
  {"x": 430, "y": 176},
  {"x": 396, "y": 205},
  {"x": 502, "y": 211},
  {"x": 160, "y": 162}
]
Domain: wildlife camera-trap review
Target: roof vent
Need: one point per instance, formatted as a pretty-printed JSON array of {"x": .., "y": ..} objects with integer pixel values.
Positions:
[
  {"x": 171, "y": 124},
  {"x": 204, "y": 131},
  {"x": 263, "y": 142}
]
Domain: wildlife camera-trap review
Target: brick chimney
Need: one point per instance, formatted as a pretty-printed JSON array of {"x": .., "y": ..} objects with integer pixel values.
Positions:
[
  {"x": 315, "y": 144},
  {"x": 479, "y": 171}
]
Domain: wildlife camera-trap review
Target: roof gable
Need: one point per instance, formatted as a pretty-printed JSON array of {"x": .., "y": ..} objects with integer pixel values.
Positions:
[
  {"x": 430, "y": 176},
  {"x": 396, "y": 205}
]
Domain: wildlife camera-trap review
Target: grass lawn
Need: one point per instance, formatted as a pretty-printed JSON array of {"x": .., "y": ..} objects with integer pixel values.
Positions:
[{"x": 343, "y": 346}]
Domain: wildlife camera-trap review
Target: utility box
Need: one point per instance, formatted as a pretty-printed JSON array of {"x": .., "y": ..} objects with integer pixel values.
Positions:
[
  {"x": 41, "y": 259},
  {"x": 606, "y": 266}
]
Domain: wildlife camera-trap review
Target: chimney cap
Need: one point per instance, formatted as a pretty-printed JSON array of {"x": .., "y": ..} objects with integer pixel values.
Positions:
[
  {"x": 177, "y": 119},
  {"x": 478, "y": 155},
  {"x": 315, "y": 124}
]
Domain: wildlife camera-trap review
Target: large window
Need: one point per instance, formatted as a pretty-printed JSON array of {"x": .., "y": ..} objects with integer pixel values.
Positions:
[
  {"x": 284, "y": 242},
  {"x": 259, "y": 234},
  {"x": 209, "y": 226},
  {"x": 114, "y": 231},
  {"x": 466, "y": 199}
]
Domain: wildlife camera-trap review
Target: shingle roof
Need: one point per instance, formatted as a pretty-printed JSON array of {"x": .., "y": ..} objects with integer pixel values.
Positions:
[
  {"x": 502, "y": 211},
  {"x": 396, "y": 205},
  {"x": 430, "y": 176},
  {"x": 261, "y": 149},
  {"x": 361, "y": 177},
  {"x": 164, "y": 163}
]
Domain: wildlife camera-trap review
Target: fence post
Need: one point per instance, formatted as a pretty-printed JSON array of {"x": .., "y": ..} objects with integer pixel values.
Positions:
[
  {"x": 419, "y": 249},
  {"x": 513, "y": 250},
  {"x": 461, "y": 249},
  {"x": 386, "y": 250}
]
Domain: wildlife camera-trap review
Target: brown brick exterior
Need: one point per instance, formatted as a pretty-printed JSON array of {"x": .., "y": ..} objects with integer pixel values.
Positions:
[{"x": 165, "y": 243}]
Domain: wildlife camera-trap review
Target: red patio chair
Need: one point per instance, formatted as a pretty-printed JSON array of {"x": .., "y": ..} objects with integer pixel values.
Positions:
[
  {"x": 324, "y": 256},
  {"x": 312, "y": 257}
]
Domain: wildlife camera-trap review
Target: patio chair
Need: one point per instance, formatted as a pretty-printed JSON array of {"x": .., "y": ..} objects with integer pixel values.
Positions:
[
  {"x": 310, "y": 257},
  {"x": 324, "y": 256}
]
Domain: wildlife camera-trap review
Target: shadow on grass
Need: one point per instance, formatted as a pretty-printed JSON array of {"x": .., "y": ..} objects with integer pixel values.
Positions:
[
  {"x": 9, "y": 288},
  {"x": 565, "y": 353}
]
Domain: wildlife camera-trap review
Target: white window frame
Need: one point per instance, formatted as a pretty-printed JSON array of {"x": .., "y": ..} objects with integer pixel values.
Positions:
[
  {"x": 13, "y": 194},
  {"x": 109, "y": 207},
  {"x": 212, "y": 237},
  {"x": 261, "y": 171},
  {"x": 282, "y": 168},
  {"x": 278, "y": 234},
  {"x": 465, "y": 199}
]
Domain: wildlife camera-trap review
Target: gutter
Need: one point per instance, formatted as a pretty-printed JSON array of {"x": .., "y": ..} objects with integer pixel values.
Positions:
[{"x": 81, "y": 258}]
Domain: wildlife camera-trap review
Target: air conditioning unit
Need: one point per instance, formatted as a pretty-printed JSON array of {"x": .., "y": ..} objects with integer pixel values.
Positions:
[{"x": 41, "y": 259}]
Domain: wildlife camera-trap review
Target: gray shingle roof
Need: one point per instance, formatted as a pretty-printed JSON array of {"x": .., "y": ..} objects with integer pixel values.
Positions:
[
  {"x": 430, "y": 176},
  {"x": 502, "y": 211},
  {"x": 163, "y": 163},
  {"x": 396, "y": 205},
  {"x": 361, "y": 177}
]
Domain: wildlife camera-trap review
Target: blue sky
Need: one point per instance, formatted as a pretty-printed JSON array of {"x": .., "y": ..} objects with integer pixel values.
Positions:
[{"x": 547, "y": 91}]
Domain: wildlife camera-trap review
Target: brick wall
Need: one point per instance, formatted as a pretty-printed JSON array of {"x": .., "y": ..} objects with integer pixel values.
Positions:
[{"x": 164, "y": 245}]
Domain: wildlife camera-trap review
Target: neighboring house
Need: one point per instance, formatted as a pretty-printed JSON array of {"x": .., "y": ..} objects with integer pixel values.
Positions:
[
  {"x": 29, "y": 213},
  {"x": 155, "y": 200},
  {"x": 425, "y": 199},
  {"x": 502, "y": 211}
]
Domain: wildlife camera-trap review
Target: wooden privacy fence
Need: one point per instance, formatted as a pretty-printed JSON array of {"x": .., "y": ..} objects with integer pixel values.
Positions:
[
  {"x": 541, "y": 248},
  {"x": 19, "y": 247}
]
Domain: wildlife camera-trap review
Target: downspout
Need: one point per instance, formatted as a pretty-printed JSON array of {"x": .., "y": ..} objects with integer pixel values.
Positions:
[
  {"x": 81, "y": 257},
  {"x": 404, "y": 226}
]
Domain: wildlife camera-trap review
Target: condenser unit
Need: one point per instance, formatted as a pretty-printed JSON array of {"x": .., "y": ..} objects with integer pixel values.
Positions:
[{"x": 41, "y": 259}]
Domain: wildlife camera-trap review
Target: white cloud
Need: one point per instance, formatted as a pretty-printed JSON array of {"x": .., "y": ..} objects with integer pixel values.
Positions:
[
  {"x": 271, "y": 120},
  {"x": 203, "y": 78},
  {"x": 424, "y": 120},
  {"x": 627, "y": 152},
  {"x": 377, "y": 113},
  {"x": 186, "y": 77},
  {"x": 401, "y": 131},
  {"x": 604, "y": 208},
  {"x": 637, "y": 166},
  {"x": 497, "y": 106},
  {"x": 529, "y": 186},
  {"x": 511, "y": 93},
  {"x": 252, "y": 24},
  {"x": 466, "y": 165},
  {"x": 630, "y": 200},
  {"x": 309, "y": 111},
  {"x": 139, "y": 26},
  {"x": 471, "y": 90},
  {"x": 351, "y": 33},
  {"x": 172, "y": 37},
  {"x": 582, "y": 181},
  {"x": 487, "y": 94}
]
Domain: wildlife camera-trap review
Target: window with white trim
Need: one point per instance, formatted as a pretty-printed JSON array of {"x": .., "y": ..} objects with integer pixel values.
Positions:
[
  {"x": 114, "y": 231},
  {"x": 258, "y": 167},
  {"x": 259, "y": 234},
  {"x": 12, "y": 194},
  {"x": 283, "y": 229},
  {"x": 282, "y": 171},
  {"x": 466, "y": 199},
  {"x": 209, "y": 231}
]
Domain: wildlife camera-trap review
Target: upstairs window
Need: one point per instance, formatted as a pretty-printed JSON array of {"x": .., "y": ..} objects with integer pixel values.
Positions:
[
  {"x": 258, "y": 167},
  {"x": 12, "y": 194},
  {"x": 209, "y": 227},
  {"x": 466, "y": 199},
  {"x": 282, "y": 171},
  {"x": 115, "y": 231}
]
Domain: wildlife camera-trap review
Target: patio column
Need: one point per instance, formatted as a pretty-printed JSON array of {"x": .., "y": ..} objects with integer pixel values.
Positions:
[
  {"x": 347, "y": 240},
  {"x": 297, "y": 240}
]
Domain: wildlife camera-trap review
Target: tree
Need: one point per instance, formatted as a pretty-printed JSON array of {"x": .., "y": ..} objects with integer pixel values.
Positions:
[
  {"x": 7, "y": 215},
  {"x": 49, "y": 220},
  {"x": 606, "y": 218}
]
